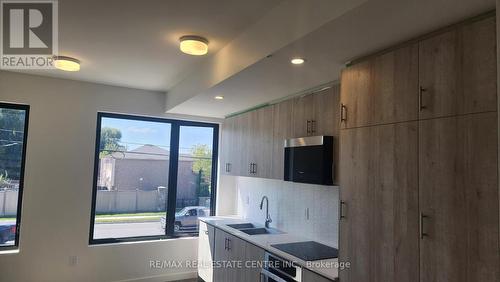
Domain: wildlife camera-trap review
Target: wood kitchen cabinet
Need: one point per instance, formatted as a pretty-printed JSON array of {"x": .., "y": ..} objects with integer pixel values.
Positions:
[
  {"x": 459, "y": 199},
  {"x": 247, "y": 144},
  {"x": 315, "y": 114},
  {"x": 228, "y": 248},
  {"x": 283, "y": 129},
  {"x": 253, "y": 142},
  {"x": 326, "y": 112},
  {"x": 382, "y": 89},
  {"x": 378, "y": 226},
  {"x": 303, "y": 115},
  {"x": 253, "y": 254},
  {"x": 422, "y": 206},
  {"x": 457, "y": 71},
  {"x": 309, "y": 276},
  {"x": 260, "y": 142},
  {"x": 232, "y": 248},
  {"x": 227, "y": 153}
]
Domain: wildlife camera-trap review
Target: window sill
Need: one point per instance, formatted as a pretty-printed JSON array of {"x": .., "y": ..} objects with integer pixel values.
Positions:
[
  {"x": 99, "y": 244},
  {"x": 9, "y": 251}
]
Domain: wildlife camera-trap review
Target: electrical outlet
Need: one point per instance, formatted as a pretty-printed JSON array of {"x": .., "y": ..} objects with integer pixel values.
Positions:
[{"x": 73, "y": 260}]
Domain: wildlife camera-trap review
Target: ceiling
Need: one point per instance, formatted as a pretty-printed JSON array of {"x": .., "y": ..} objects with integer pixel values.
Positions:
[
  {"x": 124, "y": 43},
  {"x": 372, "y": 26},
  {"x": 136, "y": 43}
]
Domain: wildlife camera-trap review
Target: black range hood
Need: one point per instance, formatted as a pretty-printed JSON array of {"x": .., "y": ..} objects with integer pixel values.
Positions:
[{"x": 309, "y": 160}]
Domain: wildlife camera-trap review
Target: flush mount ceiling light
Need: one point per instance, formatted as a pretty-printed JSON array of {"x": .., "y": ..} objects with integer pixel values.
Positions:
[
  {"x": 66, "y": 63},
  {"x": 194, "y": 45},
  {"x": 297, "y": 61},
  {"x": 219, "y": 97}
]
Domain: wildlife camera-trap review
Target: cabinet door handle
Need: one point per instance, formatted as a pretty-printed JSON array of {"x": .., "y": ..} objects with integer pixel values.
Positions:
[
  {"x": 308, "y": 127},
  {"x": 342, "y": 210},
  {"x": 225, "y": 244},
  {"x": 343, "y": 113},
  {"x": 421, "y": 226},
  {"x": 228, "y": 244},
  {"x": 420, "y": 98}
]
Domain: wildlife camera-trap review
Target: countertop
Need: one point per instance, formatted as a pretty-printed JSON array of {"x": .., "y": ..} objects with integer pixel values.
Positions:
[{"x": 325, "y": 267}]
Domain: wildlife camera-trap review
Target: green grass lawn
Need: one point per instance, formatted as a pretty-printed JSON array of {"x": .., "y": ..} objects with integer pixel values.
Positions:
[
  {"x": 7, "y": 219},
  {"x": 117, "y": 217},
  {"x": 129, "y": 217}
]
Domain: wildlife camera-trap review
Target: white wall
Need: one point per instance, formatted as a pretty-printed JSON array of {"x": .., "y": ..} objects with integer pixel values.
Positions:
[
  {"x": 288, "y": 202},
  {"x": 58, "y": 186}
]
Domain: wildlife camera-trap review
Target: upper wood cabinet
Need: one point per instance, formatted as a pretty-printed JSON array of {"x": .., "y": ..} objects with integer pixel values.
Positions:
[
  {"x": 378, "y": 226},
  {"x": 458, "y": 185},
  {"x": 283, "y": 129},
  {"x": 247, "y": 144},
  {"x": 381, "y": 90},
  {"x": 227, "y": 141},
  {"x": 326, "y": 112},
  {"x": 253, "y": 142},
  {"x": 260, "y": 142},
  {"x": 303, "y": 114},
  {"x": 316, "y": 114},
  {"x": 457, "y": 71}
]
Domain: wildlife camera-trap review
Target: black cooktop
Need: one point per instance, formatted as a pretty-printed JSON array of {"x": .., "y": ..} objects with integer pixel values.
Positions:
[{"x": 308, "y": 250}]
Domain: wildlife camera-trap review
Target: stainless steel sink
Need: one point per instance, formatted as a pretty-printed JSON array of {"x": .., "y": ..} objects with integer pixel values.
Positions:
[
  {"x": 256, "y": 231},
  {"x": 241, "y": 225},
  {"x": 252, "y": 229}
]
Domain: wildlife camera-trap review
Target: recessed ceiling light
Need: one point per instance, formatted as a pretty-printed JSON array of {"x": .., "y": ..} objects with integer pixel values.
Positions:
[
  {"x": 219, "y": 97},
  {"x": 66, "y": 63},
  {"x": 297, "y": 61},
  {"x": 194, "y": 45}
]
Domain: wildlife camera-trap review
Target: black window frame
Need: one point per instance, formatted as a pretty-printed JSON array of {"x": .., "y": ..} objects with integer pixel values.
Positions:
[
  {"x": 172, "y": 174},
  {"x": 26, "y": 109}
]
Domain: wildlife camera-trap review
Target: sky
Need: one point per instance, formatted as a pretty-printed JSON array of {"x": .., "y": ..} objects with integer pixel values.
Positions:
[{"x": 136, "y": 133}]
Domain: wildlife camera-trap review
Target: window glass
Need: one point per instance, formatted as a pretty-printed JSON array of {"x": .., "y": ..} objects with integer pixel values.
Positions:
[
  {"x": 194, "y": 178},
  {"x": 142, "y": 165},
  {"x": 13, "y": 136},
  {"x": 132, "y": 178}
]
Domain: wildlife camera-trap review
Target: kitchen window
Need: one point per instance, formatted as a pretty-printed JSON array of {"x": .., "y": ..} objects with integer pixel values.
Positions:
[
  {"x": 13, "y": 138},
  {"x": 153, "y": 177}
]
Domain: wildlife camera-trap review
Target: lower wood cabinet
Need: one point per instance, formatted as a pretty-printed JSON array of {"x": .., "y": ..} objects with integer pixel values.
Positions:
[
  {"x": 253, "y": 255},
  {"x": 229, "y": 248}
]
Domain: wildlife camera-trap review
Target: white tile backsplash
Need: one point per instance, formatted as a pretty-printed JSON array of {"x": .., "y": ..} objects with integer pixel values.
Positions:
[{"x": 288, "y": 202}]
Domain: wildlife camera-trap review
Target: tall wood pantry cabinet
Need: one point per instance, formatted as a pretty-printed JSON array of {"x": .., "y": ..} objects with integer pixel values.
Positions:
[{"x": 419, "y": 160}]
